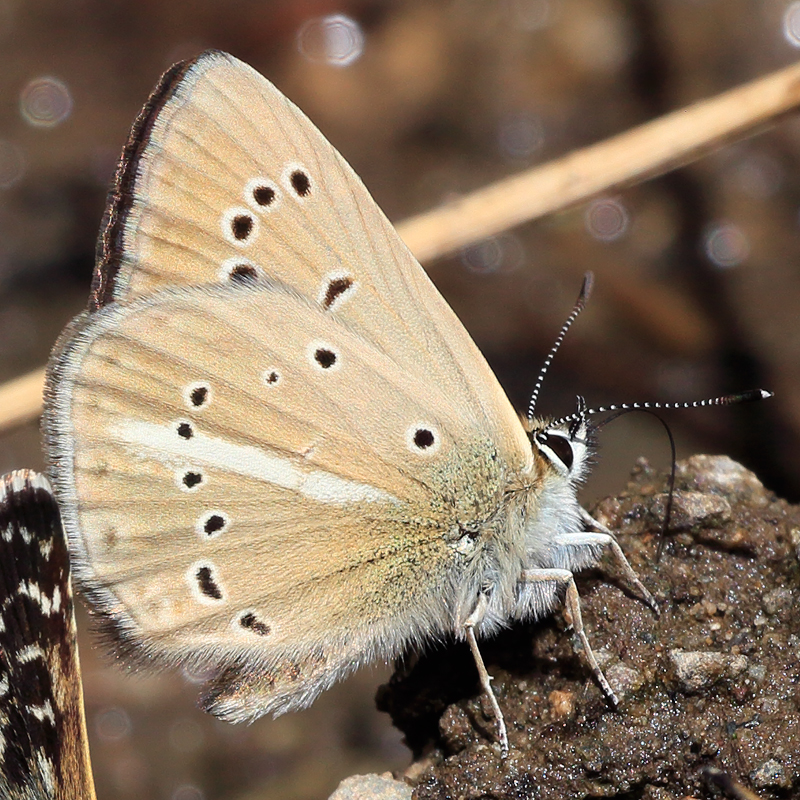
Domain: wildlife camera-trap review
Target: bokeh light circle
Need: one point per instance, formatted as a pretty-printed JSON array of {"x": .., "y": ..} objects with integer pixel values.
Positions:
[
  {"x": 113, "y": 724},
  {"x": 791, "y": 24},
  {"x": 606, "y": 219},
  {"x": 725, "y": 245},
  {"x": 520, "y": 134},
  {"x": 334, "y": 39},
  {"x": 45, "y": 102}
]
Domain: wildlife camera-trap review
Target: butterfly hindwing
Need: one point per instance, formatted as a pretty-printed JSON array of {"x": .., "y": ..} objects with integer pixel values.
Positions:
[
  {"x": 232, "y": 414},
  {"x": 43, "y": 746}
]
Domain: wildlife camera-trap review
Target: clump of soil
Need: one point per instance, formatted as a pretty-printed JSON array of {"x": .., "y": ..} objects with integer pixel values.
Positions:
[{"x": 712, "y": 682}]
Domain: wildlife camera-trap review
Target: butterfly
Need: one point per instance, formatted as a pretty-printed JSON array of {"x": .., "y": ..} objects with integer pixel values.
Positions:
[
  {"x": 278, "y": 454},
  {"x": 44, "y": 751}
]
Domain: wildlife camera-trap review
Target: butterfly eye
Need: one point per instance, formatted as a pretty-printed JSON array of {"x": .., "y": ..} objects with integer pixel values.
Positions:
[{"x": 557, "y": 447}]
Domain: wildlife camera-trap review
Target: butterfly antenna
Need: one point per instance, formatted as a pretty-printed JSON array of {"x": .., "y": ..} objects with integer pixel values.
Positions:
[
  {"x": 724, "y": 400},
  {"x": 580, "y": 304},
  {"x": 618, "y": 409}
]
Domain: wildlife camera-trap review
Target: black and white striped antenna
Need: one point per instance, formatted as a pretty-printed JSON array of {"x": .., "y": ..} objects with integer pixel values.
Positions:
[
  {"x": 724, "y": 400},
  {"x": 580, "y": 304}
]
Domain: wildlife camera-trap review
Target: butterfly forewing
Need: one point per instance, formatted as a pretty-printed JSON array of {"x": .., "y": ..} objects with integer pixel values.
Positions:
[
  {"x": 270, "y": 430},
  {"x": 232, "y": 180},
  {"x": 43, "y": 745}
]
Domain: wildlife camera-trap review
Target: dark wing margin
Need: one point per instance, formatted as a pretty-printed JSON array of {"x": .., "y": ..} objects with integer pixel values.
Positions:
[
  {"x": 43, "y": 745},
  {"x": 120, "y": 197}
]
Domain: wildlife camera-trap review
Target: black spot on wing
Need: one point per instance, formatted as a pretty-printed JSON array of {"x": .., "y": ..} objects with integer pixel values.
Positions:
[
  {"x": 207, "y": 584},
  {"x": 199, "y": 396},
  {"x": 301, "y": 183},
  {"x": 324, "y": 357},
  {"x": 336, "y": 288},
  {"x": 264, "y": 195},
  {"x": 214, "y": 524},
  {"x": 242, "y": 273},
  {"x": 423, "y": 438},
  {"x": 192, "y": 479},
  {"x": 242, "y": 227},
  {"x": 251, "y": 622}
]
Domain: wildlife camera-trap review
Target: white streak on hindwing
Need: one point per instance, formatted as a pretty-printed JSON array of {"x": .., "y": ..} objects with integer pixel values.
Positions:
[{"x": 150, "y": 440}]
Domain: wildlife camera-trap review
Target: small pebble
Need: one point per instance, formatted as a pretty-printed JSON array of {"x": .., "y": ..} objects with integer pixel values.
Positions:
[
  {"x": 697, "y": 669},
  {"x": 770, "y": 774},
  {"x": 372, "y": 787},
  {"x": 694, "y": 510},
  {"x": 770, "y": 705},
  {"x": 562, "y": 704},
  {"x": 722, "y": 475},
  {"x": 656, "y": 793},
  {"x": 777, "y": 600},
  {"x": 624, "y": 680},
  {"x": 794, "y": 533}
]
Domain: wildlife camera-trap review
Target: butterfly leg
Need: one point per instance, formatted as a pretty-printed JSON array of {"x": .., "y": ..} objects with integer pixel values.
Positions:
[
  {"x": 603, "y": 540},
  {"x": 572, "y": 605},
  {"x": 486, "y": 679}
]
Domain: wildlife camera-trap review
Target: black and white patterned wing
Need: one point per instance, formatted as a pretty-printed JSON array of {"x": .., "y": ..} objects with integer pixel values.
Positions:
[{"x": 44, "y": 752}]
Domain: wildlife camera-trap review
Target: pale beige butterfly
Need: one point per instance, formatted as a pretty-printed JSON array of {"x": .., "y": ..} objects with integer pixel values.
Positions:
[{"x": 278, "y": 453}]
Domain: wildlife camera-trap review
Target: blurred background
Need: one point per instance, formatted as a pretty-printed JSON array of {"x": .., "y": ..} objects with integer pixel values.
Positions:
[{"x": 698, "y": 286}]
